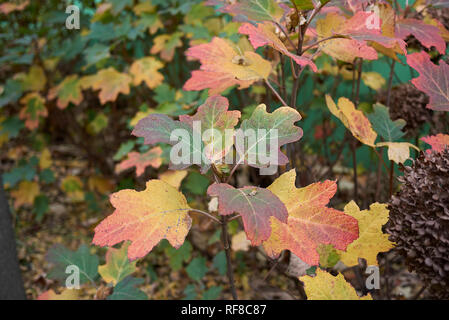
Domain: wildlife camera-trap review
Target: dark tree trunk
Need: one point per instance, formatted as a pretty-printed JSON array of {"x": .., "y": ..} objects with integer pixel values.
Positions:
[{"x": 11, "y": 285}]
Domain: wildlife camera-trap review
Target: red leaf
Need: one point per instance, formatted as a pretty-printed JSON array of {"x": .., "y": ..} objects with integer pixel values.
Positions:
[
  {"x": 433, "y": 80},
  {"x": 438, "y": 142},
  {"x": 262, "y": 35},
  {"x": 141, "y": 161},
  {"x": 426, "y": 34},
  {"x": 255, "y": 205},
  {"x": 310, "y": 222}
]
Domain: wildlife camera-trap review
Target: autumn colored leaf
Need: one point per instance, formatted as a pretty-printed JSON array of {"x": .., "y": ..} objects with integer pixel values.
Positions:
[
  {"x": 388, "y": 129},
  {"x": 73, "y": 187},
  {"x": 34, "y": 108},
  {"x": 146, "y": 217},
  {"x": 325, "y": 286},
  {"x": 215, "y": 119},
  {"x": 279, "y": 129},
  {"x": 353, "y": 119},
  {"x": 240, "y": 242},
  {"x": 223, "y": 66},
  {"x": 141, "y": 161},
  {"x": 25, "y": 194},
  {"x": 371, "y": 239},
  {"x": 433, "y": 80},
  {"x": 68, "y": 91},
  {"x": 158, "y": 128},
  {"x": 398, "y": 152},
  {"x": 100, "y": 184},
  {"x": 146, "y": 69},
  {"x": 438, "y": 142},
  {"x": 428, "y": 35},
  {"x": 34, "y": 80},
  {"x": 66, "y": 294},
  {"x": 166, "y": 44},
  {"x": 173, "y": 177},
  {"x": 45, "y": 161},
  {"x": 8, "y": 7},
  {"x": 255, "y": 205},
  {"x": 263, "y": 34},
  {"x": 310, "y": 222},
  {"x": 117, "y": 266},
  {"x": 355, "y": 33},
  {"x": 373, "y": 80},
  {"x": 253, "y": 10},
  {"x": 110, "y": 82}
]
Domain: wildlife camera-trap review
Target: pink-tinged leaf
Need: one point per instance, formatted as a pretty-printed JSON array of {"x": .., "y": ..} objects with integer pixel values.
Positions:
[
  {"x": 427, "y": 34},
  {"x": 263, "y": 35},
  {"x": 215, "y": 119},
  {"x": 225, "y": 65},
  {"x": 145, "y": 218},
  {"x": 310, "y": 222},
  {"x": 255, "y": 205},
  {"x": 433, "y": 80},
  {"x": 158, "y": 128},
  {"x": 438, "y": 142},
  {"x": 141, "y": 161}
]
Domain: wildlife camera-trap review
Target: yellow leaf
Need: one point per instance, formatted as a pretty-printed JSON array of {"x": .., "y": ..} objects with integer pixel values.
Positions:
[
  {"x": 145, "y": 218},
  {"x": 240, "y": 242},
  {"x": 67, "y": 294},
  {"x": 173, "y": 178},
  {"x": 140, "y": 115},
  {"x": 45, "y": 159},
  {"x": 146, "y": 69},
  {"x": 371, "y": 239},
  {"x": 353, "y": 119},
  {"x": 100, "y": 184},
  {"x": 117, "y": 265},
  {"x": 35, "y": 80},
  {"x": 373, "y": 80},
  {"x": 73, "y": 187},
  {"x": 325, "y": 286},
  {"x": 398, "y": 152},
  {"x": 110, "y": 82},
  {"x": 25, "y": 193}
]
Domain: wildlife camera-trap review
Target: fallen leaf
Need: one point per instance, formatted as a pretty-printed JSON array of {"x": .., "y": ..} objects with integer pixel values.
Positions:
[{"x": 25, "y": 194}]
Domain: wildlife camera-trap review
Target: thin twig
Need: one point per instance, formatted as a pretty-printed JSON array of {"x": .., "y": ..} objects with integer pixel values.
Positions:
[
  {"x": 275, "y": 93},
  {"x": 206, "y": 214},
  {"x": 227, "y": 248}
]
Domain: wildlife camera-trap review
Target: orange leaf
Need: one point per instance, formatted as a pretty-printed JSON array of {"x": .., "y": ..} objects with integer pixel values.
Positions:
[
  {"x": 146, "y": 217},
  {"x": 310, "y": 223},
  {"x": 110, "y": 82},
  {"x": 141, "y": 161},
  {"x": 146, "y": 69}
]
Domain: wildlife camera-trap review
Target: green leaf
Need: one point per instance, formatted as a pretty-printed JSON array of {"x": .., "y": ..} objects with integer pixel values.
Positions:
[
  {"x": 190, "y": 292},
  {"x": 47, "y": 176},
  {"x": 178, "y": 256},
  {"x": 12, "y": 126},
  {"x": 124, "y": 149},
  {"x": 61, "y": 257},
  {"x": 117, "y": 266},
  {"x": 213, "y": 293},
  {"x": 126, "y": 290},
  {"x": 388, "y": 129},
  {"x": 304, "y": 4},
  {"x": 196, "y": 183},
  {"x": 279, "y": 129},
  {"x": 40, "y": 206},
  {"x": 219, "y": 262},
  {"x": 197, "y": 269}
]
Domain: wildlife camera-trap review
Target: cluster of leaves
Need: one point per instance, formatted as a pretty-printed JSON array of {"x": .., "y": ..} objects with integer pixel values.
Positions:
[{"x": 129, "y": 67}]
